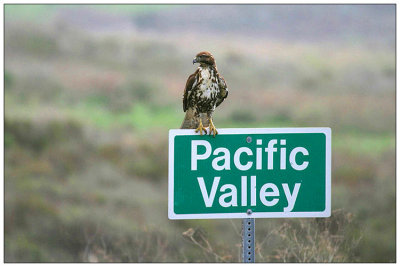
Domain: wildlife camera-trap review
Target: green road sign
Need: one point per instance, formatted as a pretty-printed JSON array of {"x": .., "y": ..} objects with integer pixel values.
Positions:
[{"x": 250, "y": 173}]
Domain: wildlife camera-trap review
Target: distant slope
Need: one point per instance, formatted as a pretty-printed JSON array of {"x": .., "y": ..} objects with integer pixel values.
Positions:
[
  {"x": 372, "y": 23},
  {"x": 300, "y": 22}
]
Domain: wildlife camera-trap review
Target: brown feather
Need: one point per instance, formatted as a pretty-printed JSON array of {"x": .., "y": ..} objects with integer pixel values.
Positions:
[
  {"x": 223, "y": 91},
  {"x": 189, "y": 85},
  {"x": 190, "y": 121}
]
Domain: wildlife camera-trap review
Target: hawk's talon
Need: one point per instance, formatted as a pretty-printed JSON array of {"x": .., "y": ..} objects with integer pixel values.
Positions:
[
  {"x": 201, "y": 128},
  {"x": 212, "y": 128}
]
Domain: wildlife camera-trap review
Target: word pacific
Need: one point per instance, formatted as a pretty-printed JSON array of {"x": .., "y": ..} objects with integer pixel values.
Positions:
[{"x": 222, "y": 161}]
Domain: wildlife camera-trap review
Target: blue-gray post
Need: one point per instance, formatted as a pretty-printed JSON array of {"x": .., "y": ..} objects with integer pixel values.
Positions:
[{"x": 248, "y": 236}]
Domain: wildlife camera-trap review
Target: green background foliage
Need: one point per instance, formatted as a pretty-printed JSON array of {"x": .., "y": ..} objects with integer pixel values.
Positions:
[{"x": 91, "y": 92}]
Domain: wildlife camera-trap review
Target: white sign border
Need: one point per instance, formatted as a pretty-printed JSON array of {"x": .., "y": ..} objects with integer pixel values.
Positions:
[{"x": 326, "y": 213}]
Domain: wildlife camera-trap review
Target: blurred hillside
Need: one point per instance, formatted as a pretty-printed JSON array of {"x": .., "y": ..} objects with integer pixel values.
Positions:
[
  {"x": 91, "y": 92},
  {"x": 312, "y": 23}
]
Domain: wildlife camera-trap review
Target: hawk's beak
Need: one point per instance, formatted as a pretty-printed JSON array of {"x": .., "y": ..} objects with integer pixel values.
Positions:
[{"x": 194, "y": 60}]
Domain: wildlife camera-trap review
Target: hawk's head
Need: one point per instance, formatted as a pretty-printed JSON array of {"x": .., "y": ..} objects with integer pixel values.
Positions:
[{"x": 204, "y": 58}]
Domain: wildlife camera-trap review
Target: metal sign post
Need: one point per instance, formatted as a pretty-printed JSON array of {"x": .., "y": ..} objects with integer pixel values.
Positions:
[{"x": 248, "y": 236}]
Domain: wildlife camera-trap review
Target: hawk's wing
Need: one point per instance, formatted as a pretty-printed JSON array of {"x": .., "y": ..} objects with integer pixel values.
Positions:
[
  {"x": 223, "y": 91},
  {"x": 190, "y": 83}
]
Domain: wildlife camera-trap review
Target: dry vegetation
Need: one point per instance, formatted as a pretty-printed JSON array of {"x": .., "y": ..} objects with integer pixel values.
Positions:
[{"x": 86, "y": 122}]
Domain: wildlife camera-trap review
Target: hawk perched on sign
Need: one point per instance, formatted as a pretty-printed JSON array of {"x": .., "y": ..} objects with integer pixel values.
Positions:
[{"x": 205, "y": 90}]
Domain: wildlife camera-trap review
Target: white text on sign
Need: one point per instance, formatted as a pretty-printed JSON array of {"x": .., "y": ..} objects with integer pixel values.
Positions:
[
  {"x": 209, "y": 195},
  {"x": 268, "y": 194},
  {"x": 224, "y": 156}
]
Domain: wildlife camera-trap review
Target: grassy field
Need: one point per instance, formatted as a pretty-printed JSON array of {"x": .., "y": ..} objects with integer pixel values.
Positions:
[{"x": 87, "y": 116}]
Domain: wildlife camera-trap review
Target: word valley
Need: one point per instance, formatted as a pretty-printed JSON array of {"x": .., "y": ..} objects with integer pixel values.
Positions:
[{"x": 269, "y": 194}]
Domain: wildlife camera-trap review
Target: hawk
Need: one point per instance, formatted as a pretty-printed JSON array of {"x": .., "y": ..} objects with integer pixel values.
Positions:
[{"x": 205, "y": 90}]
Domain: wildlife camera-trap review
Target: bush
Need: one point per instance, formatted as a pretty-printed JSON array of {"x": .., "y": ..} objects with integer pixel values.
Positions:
[{"x": 332, "y": 239}]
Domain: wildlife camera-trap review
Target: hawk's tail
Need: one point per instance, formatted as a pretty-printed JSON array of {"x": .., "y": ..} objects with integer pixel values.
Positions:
[{"x": 190, "y": 121}]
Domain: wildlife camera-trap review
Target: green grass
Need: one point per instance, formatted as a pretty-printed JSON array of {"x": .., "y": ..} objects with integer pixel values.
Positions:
[
  {"x": 144, "y": 117},
  {"x": 139, "y": 116},
  {"x": 363, "y": 144},
  {"x": 29, "y": 12},
  {"x": 42, "y": 12}
]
